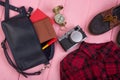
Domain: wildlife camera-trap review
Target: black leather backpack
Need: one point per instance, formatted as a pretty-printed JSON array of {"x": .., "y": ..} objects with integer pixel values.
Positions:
[{"x": 23, "y": 41}]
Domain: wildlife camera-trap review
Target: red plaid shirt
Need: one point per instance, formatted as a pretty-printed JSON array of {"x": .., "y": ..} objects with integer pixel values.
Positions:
[{"x": 92, "y": 62}]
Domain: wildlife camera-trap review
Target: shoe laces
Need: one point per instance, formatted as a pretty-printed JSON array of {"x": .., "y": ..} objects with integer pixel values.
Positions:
[{"x": 110, "y": 18}]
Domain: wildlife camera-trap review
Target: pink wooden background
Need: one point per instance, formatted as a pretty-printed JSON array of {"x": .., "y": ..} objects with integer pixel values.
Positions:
[{"x": 76, "y": 12}]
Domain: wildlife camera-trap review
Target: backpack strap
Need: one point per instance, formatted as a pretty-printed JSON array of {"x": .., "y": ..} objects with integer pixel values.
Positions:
[
  {"x": 16, "y": 9},
  {"x": 6, "y": 10},
  {"x": 22, "y": 11},
  {"x": 11, "y": 7},
  {"x": 16, "y": 67}
]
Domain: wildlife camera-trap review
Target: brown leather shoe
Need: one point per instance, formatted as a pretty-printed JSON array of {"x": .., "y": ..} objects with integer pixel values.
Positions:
[{"x": 105, "y": 21}]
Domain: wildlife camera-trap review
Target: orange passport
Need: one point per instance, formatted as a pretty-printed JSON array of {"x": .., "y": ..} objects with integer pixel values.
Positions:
[{"x": 43, "y": 26}]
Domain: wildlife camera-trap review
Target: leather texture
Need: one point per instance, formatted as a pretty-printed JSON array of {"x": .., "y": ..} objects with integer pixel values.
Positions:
[
  {"x": 76, "y": 12},
  {"x": 23, "y": 42},
  {"x": 43, "y": 24},
  {"x": 44, "y": 30},
  {"x": 99, "y": 25}
]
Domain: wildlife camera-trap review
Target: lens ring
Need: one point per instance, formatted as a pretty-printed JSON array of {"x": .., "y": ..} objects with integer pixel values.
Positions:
[{"x": 76, "y": 36}]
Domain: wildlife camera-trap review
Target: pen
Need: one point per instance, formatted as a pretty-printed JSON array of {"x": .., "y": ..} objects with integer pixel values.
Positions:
[{"x": 49, "y": 43}]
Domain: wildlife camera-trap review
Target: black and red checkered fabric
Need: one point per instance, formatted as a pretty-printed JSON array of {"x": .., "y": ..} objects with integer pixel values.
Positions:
[{"x": 92, "y": 62}]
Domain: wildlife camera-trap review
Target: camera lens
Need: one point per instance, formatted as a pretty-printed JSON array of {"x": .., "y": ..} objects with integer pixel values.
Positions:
[{"x": 76, "y": 36}]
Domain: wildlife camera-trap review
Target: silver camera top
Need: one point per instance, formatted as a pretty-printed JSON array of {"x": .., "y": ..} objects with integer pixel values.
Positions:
[{"x": 73, "y": 31}]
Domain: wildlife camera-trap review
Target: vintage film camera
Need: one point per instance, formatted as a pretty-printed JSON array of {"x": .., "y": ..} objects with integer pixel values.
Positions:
[{"x": 72, "y": 38}]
